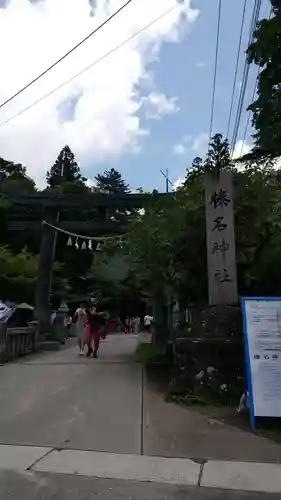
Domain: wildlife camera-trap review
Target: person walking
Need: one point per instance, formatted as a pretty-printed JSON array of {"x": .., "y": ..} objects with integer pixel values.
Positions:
[
  {"x": 147, "y": 321},
  {"x": 94, "y": 323},
  {"x": 137, "y": 325},
  {"x": 80, "y": 318},
  {"x": 133, "y": 324},
  {"x": 68, "y": 323},
  {"x": 127, "y": 324},
  {"x": 104, "y": 325}
]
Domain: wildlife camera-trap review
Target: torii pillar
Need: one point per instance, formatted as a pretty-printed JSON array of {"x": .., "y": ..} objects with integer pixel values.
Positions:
[{"x": 44, "y": 279}]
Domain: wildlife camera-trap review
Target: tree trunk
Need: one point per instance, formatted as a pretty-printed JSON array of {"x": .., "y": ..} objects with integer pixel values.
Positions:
[{"x": 160, "y": 326}]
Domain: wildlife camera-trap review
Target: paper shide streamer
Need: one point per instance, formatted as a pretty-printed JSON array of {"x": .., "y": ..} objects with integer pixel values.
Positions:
[{"x": 83, "y": 242}]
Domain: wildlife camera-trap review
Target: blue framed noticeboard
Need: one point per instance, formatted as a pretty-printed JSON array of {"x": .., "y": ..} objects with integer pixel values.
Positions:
[{"x": 262, "y": 333}]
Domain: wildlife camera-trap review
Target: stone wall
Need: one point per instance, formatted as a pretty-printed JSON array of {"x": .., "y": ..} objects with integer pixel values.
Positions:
[
  {"x": 215, "y": 322},
  {"x": 209, "y": 354}
]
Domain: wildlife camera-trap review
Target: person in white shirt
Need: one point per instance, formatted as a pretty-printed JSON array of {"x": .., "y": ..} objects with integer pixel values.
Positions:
[
  {"x": 80, "y": 317},
  {"x": 147, "y": 321},
  {"x": 136, "y": 324}
]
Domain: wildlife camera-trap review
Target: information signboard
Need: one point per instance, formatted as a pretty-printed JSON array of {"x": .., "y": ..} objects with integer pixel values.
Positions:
[{"x": 262, "y": 331}]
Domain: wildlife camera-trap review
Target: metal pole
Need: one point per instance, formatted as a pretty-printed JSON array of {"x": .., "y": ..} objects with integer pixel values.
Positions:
[{"x": 166, "y": 175}]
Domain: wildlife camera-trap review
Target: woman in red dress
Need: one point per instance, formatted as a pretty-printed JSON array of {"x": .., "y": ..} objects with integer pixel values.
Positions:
[{"x": 93, "y": 325}]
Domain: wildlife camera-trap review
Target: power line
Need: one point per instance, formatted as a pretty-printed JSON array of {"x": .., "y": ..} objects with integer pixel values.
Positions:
[
  {"x": 267, "y": 14},
  {"x": 66, "y": 55},
  {"x": 249, "y": 113},
  {"x": 236, "y": 67},
  {"x": 244, "y": 77},
  {"x": 254, "y": 20},
  {"x": 91, "y": 65},
  {"x": 215, "y": 69}
]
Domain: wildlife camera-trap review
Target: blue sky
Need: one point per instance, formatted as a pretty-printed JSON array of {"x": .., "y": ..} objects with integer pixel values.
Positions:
[
  {"x": 185, "y": 70},
  {"x": 103, "y": 113}
]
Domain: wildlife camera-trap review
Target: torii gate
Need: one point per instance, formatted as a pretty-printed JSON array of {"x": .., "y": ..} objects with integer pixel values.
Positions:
[{"x": 51, "y": 204}]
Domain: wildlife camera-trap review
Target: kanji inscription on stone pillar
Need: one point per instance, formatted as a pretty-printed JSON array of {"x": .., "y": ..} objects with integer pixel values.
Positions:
[{"x": 222, "y": 278}]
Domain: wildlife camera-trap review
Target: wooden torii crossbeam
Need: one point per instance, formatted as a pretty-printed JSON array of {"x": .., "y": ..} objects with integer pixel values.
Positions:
[{"x": 98, "y": 200}]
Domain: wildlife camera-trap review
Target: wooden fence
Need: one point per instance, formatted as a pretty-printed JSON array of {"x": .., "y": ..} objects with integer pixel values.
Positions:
[{"x": 16, "y": 342}]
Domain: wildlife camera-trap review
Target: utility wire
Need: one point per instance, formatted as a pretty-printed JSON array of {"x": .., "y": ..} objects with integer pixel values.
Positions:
[
  {"x": 255, "y": 17},
  {"x": 268, "y": 14},
  {"x": 249, "y": 114},
  {"x": 244, "y": 77},
  {"x": 91, "y": 65},
  {"x": 65, "y": 55},
  {"x": 215, "y": 69},
  {"x": 236, "y": 67}
]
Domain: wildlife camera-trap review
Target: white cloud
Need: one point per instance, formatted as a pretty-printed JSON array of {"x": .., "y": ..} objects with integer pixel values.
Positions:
[
  {"x": 200, "y": 64},
  {"x": 200, "y": 144},
  {"x": 178, "y": 183},
  {"x": 180, "y": 149},
  {"x": 241, "y": 148},
  {"x": 158, "y": 105},
  {"x": 197, "y": 145},
  {"x": 104, "y": 120},
  {"x": 91, "y": 183}
]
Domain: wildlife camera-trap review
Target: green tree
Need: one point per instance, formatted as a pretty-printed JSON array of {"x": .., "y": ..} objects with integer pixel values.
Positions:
[
  {"x": 218, "y": 156},
  {"x": 265, "y": 51},
  {"x": 159, "y": 248},
  {"x": 8, "y": 168},
  {"x": 195, "y": 171},
  {"x": 65, "y": 172},
  {"x": 109, "y": 272},
  {"x": 13, "y": 178},
  {"x": 111, "y": 182},
  {"x": 175, "y": 260},
  {"x": 18, "y": 274}
]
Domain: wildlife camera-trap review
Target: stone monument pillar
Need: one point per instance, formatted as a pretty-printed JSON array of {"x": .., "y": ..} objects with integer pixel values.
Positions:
[{"x": 220, "y": 238}]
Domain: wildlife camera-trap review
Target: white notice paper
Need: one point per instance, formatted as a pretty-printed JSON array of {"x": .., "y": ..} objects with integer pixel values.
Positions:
[{"x": 262, "y": 325}]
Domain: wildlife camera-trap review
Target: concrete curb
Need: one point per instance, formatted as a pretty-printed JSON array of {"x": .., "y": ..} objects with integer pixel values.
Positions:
[
  {"x": 244, "y": 476},
  {"x": 20, "y": 458},
  {"x": 114, "y": 466}
]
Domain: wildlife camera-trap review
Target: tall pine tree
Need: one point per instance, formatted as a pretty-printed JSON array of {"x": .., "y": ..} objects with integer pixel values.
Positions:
[
  {"x": 65, "y": 170},
  {"x": 218, "y": 156},
  {"x": 111, "y": 182},
  {"x": 265, "y": 52}
]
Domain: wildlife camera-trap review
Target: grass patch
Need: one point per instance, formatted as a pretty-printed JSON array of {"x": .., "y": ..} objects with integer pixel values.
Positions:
[
  {"x": 187, "y": 398},
  {"x": 146, "y": 354}
]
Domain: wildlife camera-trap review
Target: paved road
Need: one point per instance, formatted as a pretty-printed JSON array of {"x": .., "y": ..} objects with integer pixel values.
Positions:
[
  {"x": 35, "y": 486},
  {"x": 63, "y": 400},
  {"x": 73, "y": 416}
]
